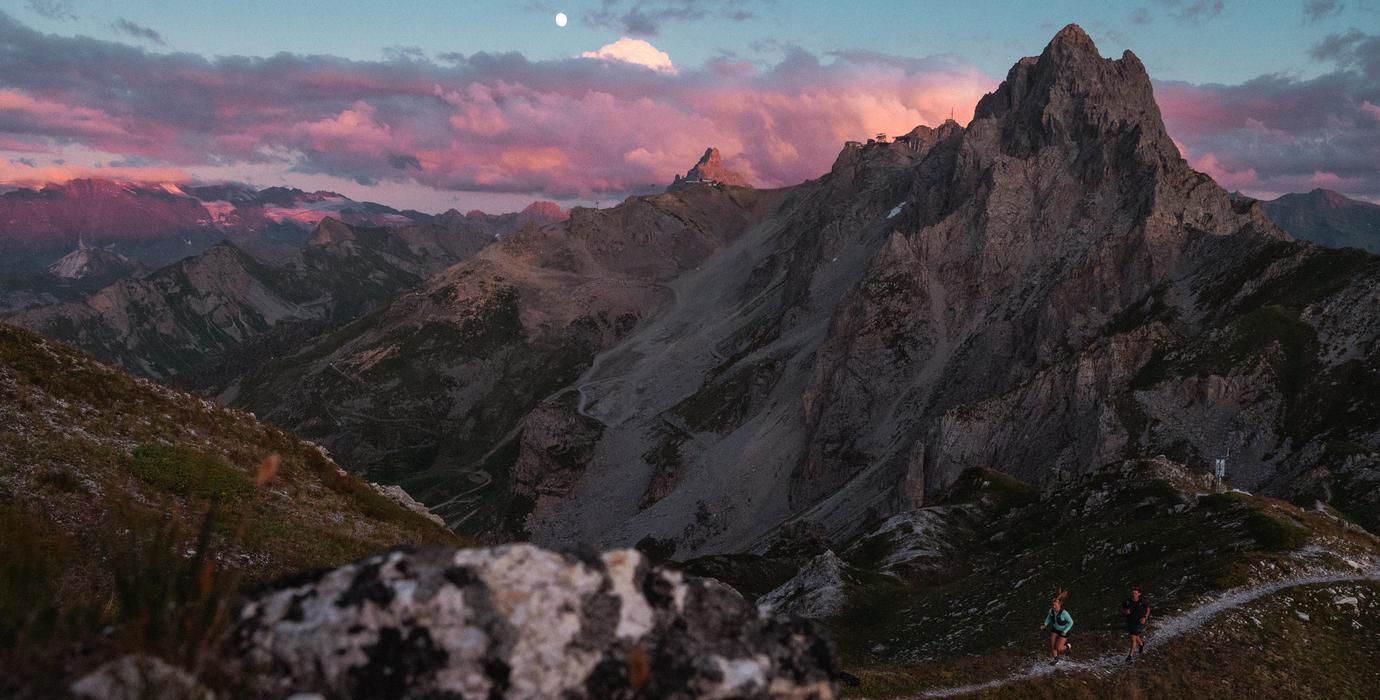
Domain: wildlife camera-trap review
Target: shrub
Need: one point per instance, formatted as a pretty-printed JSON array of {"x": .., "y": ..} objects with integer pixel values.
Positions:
[
  {"x": 59, "y": 481},
  {"x": 188, "y": 472},
  {"x": 174, "y": 605},
  {"x": 1275, "y": 533}
]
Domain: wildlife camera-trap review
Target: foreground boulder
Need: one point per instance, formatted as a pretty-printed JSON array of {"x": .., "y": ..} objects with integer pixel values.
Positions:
[{"x": 522, "y": 622}]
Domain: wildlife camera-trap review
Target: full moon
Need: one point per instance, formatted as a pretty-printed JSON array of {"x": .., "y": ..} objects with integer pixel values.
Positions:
[{"x": 560, "y": 19}]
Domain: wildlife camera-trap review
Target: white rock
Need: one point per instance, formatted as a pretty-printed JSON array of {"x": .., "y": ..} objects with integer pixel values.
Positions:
[
  {"x": 138, "y": 677},
  {"x": 815, "y": 592}
]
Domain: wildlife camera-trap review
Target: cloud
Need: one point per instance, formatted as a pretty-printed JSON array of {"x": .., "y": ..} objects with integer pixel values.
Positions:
[
  {"x": 25, "y": 172},
  {"x": 52, "y": 9},
  {"x": 634, "y": 51},
  {"x": 1317, "y": 10},
  {"x": 138, "y": 31},
  {"x": 1193, "y": 11},
  {"x": 1277, "y": 133},
  {"x": 1353, "y": 50},
  {"x": 645, "y": 17},
  {"x": 1141, "y": 16}
]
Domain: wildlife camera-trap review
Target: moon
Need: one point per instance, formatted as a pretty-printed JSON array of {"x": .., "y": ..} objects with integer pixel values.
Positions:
[{"x": 560, "y": 19}]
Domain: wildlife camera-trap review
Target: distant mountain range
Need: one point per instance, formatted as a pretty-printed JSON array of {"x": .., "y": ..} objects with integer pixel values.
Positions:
[
  {"x": 1327, "y": 218},
  {"x": 196, "y": 314},
  {"x": 158, "y": 223}
]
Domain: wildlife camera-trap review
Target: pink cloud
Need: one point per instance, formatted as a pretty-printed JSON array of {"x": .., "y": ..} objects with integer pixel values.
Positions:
[
  {"x": 20, "y": 108},
  {"x": 1245, "y": 179},
  {"x": 19, "y": 174},
  {"x": 634, "y": 51}
]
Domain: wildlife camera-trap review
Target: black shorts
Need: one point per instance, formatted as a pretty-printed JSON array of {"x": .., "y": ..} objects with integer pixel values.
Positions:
[
  {"x": 1062, "y": 635},
  {"x": 1135, "y": 628}
]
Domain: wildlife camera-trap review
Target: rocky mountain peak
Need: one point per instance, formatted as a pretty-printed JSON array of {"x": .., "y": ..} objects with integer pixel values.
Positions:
[
  {"x": 1071, "y": 94},
  {"x": 709, "y": 169},
  {"x": 87, "y": 187},
  {"x": 331, "y": 230},
  {"x": 1330, "y": 198},
  {"x": 1071, "y": 40},
  {"x": 544, "y": 212},
  {"x": 87, "y": 262}
]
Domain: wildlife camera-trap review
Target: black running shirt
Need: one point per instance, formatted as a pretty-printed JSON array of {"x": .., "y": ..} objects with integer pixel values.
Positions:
[{"x": 1136, "y": 609}]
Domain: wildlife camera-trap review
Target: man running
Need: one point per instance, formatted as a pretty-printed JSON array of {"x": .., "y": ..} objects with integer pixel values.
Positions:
[
  {"x": 1137, "y": 611},
  {"x": 1059, "y": 622}
]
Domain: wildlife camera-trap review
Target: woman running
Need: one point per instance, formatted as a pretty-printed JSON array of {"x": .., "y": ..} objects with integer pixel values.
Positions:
[{"x": 1059, "y": 622}]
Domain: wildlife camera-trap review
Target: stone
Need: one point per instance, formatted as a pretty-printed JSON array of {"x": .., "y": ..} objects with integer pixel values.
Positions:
[
  {"x": 521, "y": 622},
  {"x": 817, "y": 591},
  {"x": 139, "y": 677}
]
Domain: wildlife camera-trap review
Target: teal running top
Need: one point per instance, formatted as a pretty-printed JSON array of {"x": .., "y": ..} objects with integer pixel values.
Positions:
[{"x": 1061, "y": 621}]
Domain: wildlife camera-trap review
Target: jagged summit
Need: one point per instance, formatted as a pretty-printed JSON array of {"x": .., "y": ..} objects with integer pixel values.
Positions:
[
  {"x": 1071, "y": 39},
  {"x": 92, "y": 262},
  {"x": 1070, "y": 92},
  {"x": 709, "y": 170}
]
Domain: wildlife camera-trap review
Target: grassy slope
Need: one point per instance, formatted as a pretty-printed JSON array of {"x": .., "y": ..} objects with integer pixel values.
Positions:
[
  {"x": 97, "y": 468},
  {"x": 1263, "y": 649},
  {"x": 1147, "y": 521}
]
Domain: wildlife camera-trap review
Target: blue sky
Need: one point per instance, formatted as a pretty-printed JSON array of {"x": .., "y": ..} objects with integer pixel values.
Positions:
[{"x": 1228, "y": 44}]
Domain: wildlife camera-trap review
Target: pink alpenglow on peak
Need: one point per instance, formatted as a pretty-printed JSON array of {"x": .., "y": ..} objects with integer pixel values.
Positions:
[
  {"x": 710, "y": 170},
  {"x": 545, "y": 212}
]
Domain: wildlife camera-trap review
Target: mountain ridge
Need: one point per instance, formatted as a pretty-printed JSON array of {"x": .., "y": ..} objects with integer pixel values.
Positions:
[
  {"x": 158, "y": 223},
  {"x": 1328, "y": 218}
]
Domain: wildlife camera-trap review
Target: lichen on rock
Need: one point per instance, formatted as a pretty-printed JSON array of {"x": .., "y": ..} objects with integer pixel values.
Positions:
[{"x": 521, "y": 622}]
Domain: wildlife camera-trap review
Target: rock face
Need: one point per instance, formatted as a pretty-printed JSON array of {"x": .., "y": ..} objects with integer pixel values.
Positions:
[
  {"x": 467, "y": 359},
  {"x": 818, "y": 591},
  {"x": 1327, "y": 218},
  {"x": 709, "y": 169},
  {"x": 87, "y": 263},
  {"x": 521, "y": 622},
  {"x": 139, "y": 678}
]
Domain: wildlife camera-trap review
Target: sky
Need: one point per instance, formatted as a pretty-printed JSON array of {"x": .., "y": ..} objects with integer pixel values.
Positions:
[{"x": 489, "y": 105}]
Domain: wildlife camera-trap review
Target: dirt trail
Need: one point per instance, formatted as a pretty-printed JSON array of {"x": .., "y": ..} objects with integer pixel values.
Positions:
[{"x": 1163, "y": 630}]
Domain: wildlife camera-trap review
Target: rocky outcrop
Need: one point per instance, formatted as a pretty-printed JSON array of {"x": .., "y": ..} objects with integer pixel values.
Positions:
[
  {"x": 709, "y": 170},
  {"x": 521, "y": 622},
  {"x": 397, "y": 495},
  {"x": 817, "y": 591},
  {"x": 87, "y": 263},
  {"x": 556, "y": 444},
  {"x": 139, "y": 677}
]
